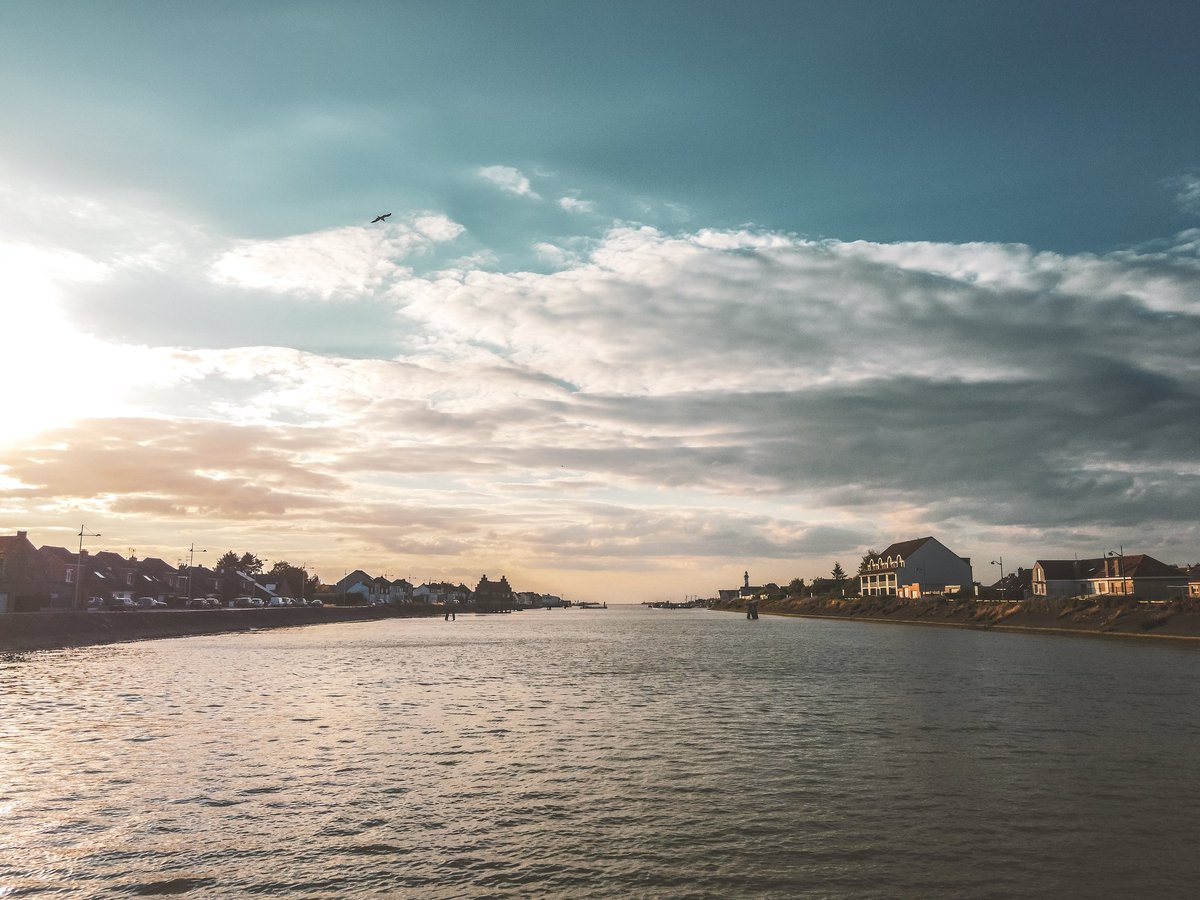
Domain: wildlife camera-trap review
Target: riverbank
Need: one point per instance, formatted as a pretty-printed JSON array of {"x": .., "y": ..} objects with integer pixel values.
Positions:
[
  {"x": 1099, "y": 616},
  {"x": 20, "y": 632}
]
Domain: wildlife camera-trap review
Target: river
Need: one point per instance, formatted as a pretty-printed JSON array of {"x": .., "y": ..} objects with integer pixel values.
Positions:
[{"x": 625, "y": 752}]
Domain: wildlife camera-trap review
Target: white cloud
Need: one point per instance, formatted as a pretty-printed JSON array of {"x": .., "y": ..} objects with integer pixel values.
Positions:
[
  {"x": 554, "y": 255},
  {"x": 342, "y": 262},
  {"x": 508, "y": 179},
  {"x": 657, "y": 396},
  {"x": 1187, "y": 192},
  {"x": 575, "y": 205}
]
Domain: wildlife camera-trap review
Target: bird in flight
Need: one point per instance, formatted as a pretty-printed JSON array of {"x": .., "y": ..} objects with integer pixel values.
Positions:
[{"x": 380, "y": 218}]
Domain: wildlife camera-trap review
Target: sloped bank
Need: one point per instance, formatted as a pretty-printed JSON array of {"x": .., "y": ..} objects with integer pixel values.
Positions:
[
  {"x": 1178, "y": 620},
  {"x": 51, "y": 630}
]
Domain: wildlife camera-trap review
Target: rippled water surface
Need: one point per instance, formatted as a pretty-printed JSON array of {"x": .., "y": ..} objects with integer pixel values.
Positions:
[{"x": 602, "y": 753}]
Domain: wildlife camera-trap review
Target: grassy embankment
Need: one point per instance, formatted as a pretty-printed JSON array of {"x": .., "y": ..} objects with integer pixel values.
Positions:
[{"x": 1078, "y": 615}]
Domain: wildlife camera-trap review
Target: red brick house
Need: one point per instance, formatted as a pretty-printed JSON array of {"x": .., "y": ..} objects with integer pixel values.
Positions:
[{"x": 24, "y": 575}]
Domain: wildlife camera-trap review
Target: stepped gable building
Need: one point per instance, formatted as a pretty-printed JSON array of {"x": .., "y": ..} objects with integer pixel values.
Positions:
[
  {"x": 24, "y": 574},
  {"x": 493, "y": 592},
  {"x": 1135, "y": 575},
  {"x": 913, "y": 568}
]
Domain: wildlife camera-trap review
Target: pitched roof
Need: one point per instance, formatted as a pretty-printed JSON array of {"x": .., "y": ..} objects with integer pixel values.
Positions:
[
  {"x": 1143, "y": 566},
  {"x": 59, "y": 553},
  {"x": 358, "y": 576},
  {"x": 905, "y": 549},
  {"x": 1137, "y": 565},
  {"x": 12, "y": 540},
  {"x": 1062, "y": 569}
]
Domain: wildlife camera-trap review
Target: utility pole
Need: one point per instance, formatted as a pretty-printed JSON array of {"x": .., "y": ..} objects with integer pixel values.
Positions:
[
  {"x": 191, "y": 556},
  {"x": 79, "y": 561}
]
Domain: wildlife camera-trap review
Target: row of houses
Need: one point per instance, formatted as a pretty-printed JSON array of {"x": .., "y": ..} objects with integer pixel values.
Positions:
[
  {"x": 379, "y": 590},
  {"x": 925, "y": 566},
  {"x": 51, "y": 577}
]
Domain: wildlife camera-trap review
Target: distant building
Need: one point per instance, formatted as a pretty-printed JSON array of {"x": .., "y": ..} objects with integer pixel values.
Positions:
[
  {"x": 1193, "y": 581},
  {"x": 914, "y": 568},
  {"x": 1135, "y": 575},
  {"x": 493, "y": 593}
]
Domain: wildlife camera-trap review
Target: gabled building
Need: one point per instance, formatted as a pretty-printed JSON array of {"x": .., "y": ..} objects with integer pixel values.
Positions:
[
  {"x": 357, "y": 581},
  {"x": 1193, "y": 581},
  {"x": 188, "y": 582},
  {"x": 24, "y": 574},
  {"x": 493, "y": 593},
  {"x": 72, "y": 576},
  {"x": 915, "y": 568},
  {"x": 1134, "y": 575}
]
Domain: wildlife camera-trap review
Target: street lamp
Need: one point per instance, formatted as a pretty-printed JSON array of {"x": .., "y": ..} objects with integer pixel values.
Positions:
[
  {"x": 79, "y": 560},
  {"x": 1119, "y": 555},
  {"x": 191, "y": 555}
]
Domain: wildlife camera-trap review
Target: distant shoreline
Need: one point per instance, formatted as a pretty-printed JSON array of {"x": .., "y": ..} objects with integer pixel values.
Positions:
[
  {"x": 1098, "y": 617},
  {"x": 26, "y": 632}
]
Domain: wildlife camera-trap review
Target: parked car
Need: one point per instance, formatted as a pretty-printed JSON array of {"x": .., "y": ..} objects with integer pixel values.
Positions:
[
  {"x": 119, "y": 604},
  {"x": 95, "y": 603}
]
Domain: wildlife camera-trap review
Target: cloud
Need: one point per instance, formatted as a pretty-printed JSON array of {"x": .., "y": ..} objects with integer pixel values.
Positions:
[
  {"x": 337, "y": 263},
  {"x": 575, "y": 205},
  {"x": 554, "y": 255},
  {"x": 1187, "y": 192},
  {"x": 508, "y": 179},
  {"x": 659, "y": 403}
]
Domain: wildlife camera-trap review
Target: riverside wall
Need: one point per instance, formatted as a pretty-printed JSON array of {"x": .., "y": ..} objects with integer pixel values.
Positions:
[
  {"x": 1179, "y": 620},
  {"x": 49, "y": 630}
]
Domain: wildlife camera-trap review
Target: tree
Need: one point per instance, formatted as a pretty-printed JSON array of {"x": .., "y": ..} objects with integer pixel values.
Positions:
[
  {"x": 839, "y": 575},
  {"x": 867, "y": 557},
  {"x": 796, "y": 587},
  {"x": 231, "y": 567},
  {"x": 296, "y": 579}
]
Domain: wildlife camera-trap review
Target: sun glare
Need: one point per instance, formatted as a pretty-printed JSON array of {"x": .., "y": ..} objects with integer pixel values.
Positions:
[{"x": 63, "y": 374}]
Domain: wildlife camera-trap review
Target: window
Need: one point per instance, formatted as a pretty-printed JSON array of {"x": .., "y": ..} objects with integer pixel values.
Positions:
[{"x": 70, "y": 576}]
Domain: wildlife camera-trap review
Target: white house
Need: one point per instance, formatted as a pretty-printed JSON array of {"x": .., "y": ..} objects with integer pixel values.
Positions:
[{"x": 914, "y": 568}]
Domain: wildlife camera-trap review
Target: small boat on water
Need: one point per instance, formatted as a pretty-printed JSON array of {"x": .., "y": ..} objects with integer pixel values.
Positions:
[{"x": 591, "y": 604}]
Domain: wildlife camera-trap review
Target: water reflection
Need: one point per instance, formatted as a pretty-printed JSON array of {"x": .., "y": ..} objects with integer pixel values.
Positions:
[{"x": 601, "y": 754}]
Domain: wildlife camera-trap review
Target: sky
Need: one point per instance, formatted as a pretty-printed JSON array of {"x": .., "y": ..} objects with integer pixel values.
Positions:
[{"x": 669, "y": 291}]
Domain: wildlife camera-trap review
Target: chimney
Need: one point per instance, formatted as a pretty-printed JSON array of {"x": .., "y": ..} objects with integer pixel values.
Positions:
[{"x": 22, "y": 535}]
